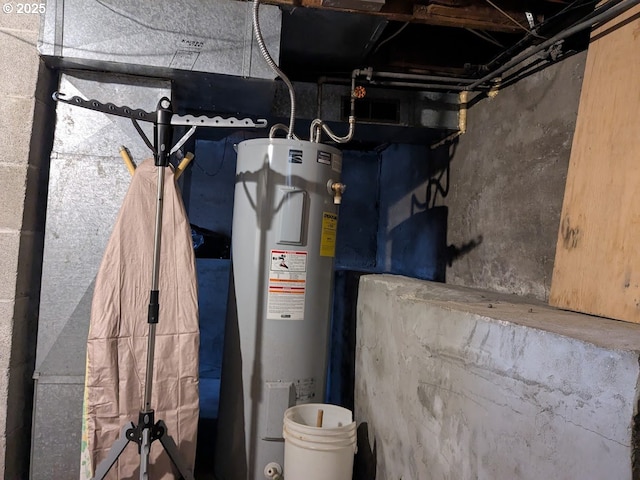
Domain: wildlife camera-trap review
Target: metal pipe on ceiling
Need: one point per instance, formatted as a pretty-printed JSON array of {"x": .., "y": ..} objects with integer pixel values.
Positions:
[
  {"x": 602, "y": 17},
  {"x": 421, "y": 86},
  {"x": 427, "y": 78},
  {"x": 400, "y": 76},
  {"x": 538, "y": 28}
]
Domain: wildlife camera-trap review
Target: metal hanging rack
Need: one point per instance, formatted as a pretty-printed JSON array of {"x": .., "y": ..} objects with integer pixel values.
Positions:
[{"x": 148, "y": 430}]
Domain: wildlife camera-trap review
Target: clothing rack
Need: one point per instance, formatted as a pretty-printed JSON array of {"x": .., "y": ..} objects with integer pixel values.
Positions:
[{"x": 148, "y": 429}]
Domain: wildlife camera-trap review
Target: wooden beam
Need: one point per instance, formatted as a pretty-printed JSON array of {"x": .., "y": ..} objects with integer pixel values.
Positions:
[
  {"x": 407, "y": 66},
  {"x": 474, "y": 15}
]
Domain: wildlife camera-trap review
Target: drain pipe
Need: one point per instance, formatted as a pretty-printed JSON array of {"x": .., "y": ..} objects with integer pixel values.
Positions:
[
  {"x": 267, "y": 57},
  {"x": 602, "y": 17}
]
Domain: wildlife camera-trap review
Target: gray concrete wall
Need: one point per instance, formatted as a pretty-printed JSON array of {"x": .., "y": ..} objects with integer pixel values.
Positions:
[
  {"x": 455, "y": 383},
  {"x": 25, "y": 119},
  {"x": 508, "y": 175}
]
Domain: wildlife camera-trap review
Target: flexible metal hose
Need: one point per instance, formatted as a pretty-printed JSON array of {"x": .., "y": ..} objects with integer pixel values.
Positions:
[
  {"x": 318, "y": 126},
  {"x": 273, "y": 65},
  {"x": 280, "y": 126}
]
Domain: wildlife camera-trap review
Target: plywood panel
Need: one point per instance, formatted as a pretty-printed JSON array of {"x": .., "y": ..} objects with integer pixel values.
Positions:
[{"x": 597, "y": 266}]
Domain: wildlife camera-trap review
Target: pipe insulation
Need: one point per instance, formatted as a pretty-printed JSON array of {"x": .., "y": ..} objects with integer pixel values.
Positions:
[{"x": 462, "y": 121}]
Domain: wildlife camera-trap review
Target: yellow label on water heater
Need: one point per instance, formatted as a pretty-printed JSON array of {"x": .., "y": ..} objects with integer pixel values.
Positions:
[{"x": 329, "y": 233}]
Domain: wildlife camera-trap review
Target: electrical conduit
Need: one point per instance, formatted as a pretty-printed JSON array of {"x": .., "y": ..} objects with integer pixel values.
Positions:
[{"x": 267, "y": 57}]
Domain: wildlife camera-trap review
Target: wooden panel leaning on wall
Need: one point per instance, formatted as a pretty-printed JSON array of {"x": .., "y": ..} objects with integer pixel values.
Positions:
[{"x": 597, "y": 264}]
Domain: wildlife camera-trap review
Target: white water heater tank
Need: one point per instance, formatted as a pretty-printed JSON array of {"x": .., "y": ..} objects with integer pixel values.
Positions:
[{"x": 276, "y": 340}]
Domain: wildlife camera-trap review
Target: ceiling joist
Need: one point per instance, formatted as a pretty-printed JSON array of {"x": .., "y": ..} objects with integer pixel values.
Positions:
[{"x": 478, "y": 14}]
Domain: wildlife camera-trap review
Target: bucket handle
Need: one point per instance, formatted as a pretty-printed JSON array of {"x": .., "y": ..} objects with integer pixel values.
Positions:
[{"x": 319, "y": 447}]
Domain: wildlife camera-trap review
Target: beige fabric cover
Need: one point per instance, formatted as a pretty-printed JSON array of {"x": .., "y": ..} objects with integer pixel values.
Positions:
[{"x": 117, "y": 345}]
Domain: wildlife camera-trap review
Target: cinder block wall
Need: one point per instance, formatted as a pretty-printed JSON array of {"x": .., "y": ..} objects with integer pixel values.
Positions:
[{"x": 25, "y": 132}]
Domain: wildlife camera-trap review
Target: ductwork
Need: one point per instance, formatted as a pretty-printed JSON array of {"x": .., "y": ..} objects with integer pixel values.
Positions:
[
  {"x": 210, "y": 52},
  {"x": 169, "y": 35}
]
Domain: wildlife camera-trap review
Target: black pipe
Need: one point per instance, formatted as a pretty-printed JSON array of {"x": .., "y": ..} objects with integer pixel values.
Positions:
[
  {"x": 535, "y": 32},
  {"x": 602, "y": 17}
]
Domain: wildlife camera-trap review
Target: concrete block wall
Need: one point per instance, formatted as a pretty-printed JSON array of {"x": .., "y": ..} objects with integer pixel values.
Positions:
[
  {"x": 455, "y": 383},
  {"x": 26, "y": 114}
]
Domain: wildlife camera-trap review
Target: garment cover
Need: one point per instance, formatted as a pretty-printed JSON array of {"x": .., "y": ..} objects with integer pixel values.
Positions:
[{"x": 117, "y": 344}]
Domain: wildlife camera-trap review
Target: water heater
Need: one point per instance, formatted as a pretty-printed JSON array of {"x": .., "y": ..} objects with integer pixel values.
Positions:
[{"x": 276, "y": 340}]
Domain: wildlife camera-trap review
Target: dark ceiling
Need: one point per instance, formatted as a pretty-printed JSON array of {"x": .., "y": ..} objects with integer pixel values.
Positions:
[
  {"x": 447, "y": 45},
  {"x": 461, "y": 38}
]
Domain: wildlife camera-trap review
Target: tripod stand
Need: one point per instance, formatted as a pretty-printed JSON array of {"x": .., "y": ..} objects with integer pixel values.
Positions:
[{"x": 148, "y": 430}]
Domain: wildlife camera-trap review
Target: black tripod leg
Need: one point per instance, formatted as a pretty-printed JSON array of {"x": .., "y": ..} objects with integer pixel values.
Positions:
[
  {"x": 172, "y": 450},
  {"x": 114, "y": 453}
]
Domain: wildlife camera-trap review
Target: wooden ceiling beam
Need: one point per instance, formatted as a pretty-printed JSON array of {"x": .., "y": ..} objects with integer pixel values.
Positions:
[{"x": 474, "y": 15}]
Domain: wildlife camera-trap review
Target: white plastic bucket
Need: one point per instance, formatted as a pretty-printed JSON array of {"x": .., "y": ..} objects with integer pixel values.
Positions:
[{"x": 318, "y": 453}]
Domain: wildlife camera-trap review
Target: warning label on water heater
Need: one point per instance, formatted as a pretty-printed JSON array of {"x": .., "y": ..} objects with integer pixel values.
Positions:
[
  {"x": 287, "y": 285},
  {"x": 329, "y": 233}
]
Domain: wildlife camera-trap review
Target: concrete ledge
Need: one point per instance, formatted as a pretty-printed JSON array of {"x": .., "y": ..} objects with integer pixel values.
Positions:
[{"x": 460, "y": 383}]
